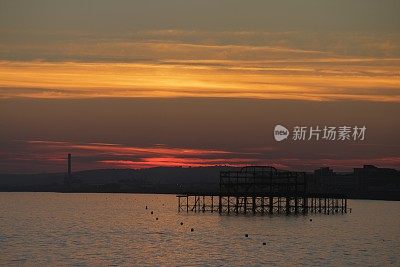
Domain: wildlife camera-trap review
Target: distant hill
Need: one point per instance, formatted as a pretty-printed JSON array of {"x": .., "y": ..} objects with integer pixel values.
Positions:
[{"x": 158, "y": 179}]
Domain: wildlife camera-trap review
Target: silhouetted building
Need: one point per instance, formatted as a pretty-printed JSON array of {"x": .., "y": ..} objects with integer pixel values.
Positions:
[
  {"x": 371, "y": 170},
  {"x": 368, "y": 181},
  {"x": 372, "y": 178},
  {"x": 325, "y": 179},
  {"x": 324, "y": 171}
]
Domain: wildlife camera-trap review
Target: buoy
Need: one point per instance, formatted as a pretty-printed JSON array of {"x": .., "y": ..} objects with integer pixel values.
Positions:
[
  {"x": 246, "y": 235},
  {"x": 146, "y": 207},
  {"x": 191, "y": 230},
  {"x": 264, "y": 243},
  {"x": 181, "y": 223},
  {"x": 310, "y": 220},
  {"x": 157, "y": 218}
]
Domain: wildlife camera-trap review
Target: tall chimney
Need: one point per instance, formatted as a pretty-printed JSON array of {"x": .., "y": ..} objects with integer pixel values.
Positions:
[{"x": 69, "y": 164}]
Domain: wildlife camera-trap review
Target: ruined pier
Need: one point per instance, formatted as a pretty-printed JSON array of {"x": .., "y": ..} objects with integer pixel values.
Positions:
[{"x": 263, "y": 190}]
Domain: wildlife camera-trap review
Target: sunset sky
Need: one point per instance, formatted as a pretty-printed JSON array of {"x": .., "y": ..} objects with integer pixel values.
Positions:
[{"x": 137, "y": 84}]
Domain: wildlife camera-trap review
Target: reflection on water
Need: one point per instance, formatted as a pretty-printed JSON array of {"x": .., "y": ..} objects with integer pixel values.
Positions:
[{"x": 116, "y": 229}]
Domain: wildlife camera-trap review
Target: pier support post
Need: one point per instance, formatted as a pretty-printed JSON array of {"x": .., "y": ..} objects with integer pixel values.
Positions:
[
  {"x": 305, "y": 205},
  {"x": 319, "y": 205},
  {"x": 254, "y": 205},
  {"x": 229, "y": 206},
  {"x": 271, "y": 205},
  {"x": 237, "y": 205},
  {"x": 279, "y": 205},
  {"x": 220, "y": 204},
  {"x": 287, "y": 205}
]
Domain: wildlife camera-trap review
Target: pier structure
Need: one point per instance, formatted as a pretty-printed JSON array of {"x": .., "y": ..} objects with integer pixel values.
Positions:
[{"x": 263, "y": 190}]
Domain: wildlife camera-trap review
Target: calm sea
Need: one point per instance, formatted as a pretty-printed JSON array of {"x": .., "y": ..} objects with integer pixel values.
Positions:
[{"x": 116, "y": 229}]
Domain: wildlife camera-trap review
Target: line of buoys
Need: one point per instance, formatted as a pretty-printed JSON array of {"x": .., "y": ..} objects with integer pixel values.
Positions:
[
  {"x": 264, "y": 243},
  {"x": 181, "y": 223},
  {"x": 246, "y": 235}
]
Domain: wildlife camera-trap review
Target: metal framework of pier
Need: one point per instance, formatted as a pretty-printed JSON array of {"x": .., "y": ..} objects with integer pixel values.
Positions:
[{"x": 263, "y": 190}]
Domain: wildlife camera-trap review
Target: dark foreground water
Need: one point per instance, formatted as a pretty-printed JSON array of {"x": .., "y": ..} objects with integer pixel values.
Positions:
[{"x": 116, "y": 229}]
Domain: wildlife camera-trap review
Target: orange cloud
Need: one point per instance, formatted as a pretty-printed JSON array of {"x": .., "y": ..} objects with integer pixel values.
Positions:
[
  {"x": 180, "y": 63},
  {"x": 236, "y": 79}
]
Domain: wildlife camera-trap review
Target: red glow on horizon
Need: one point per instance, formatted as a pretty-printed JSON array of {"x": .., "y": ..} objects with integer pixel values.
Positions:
[
  {"x": 177, "y": 162},
  {"x": 50, "y": 156}
]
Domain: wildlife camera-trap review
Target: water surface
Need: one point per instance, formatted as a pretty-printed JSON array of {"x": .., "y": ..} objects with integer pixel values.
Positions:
[{"x": 116, "y": 229}]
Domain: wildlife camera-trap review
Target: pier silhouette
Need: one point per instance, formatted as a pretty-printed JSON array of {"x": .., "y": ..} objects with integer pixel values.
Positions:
[{"x": 263, "y": 190}]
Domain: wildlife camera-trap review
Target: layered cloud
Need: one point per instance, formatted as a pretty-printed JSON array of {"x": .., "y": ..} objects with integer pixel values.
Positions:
[
  {"x": 264, "y": 80},
  {"x": 176, "y": 63}
]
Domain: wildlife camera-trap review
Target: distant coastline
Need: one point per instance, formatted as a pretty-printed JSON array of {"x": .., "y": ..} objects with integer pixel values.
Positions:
[{"x": 368, "y": 182}]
